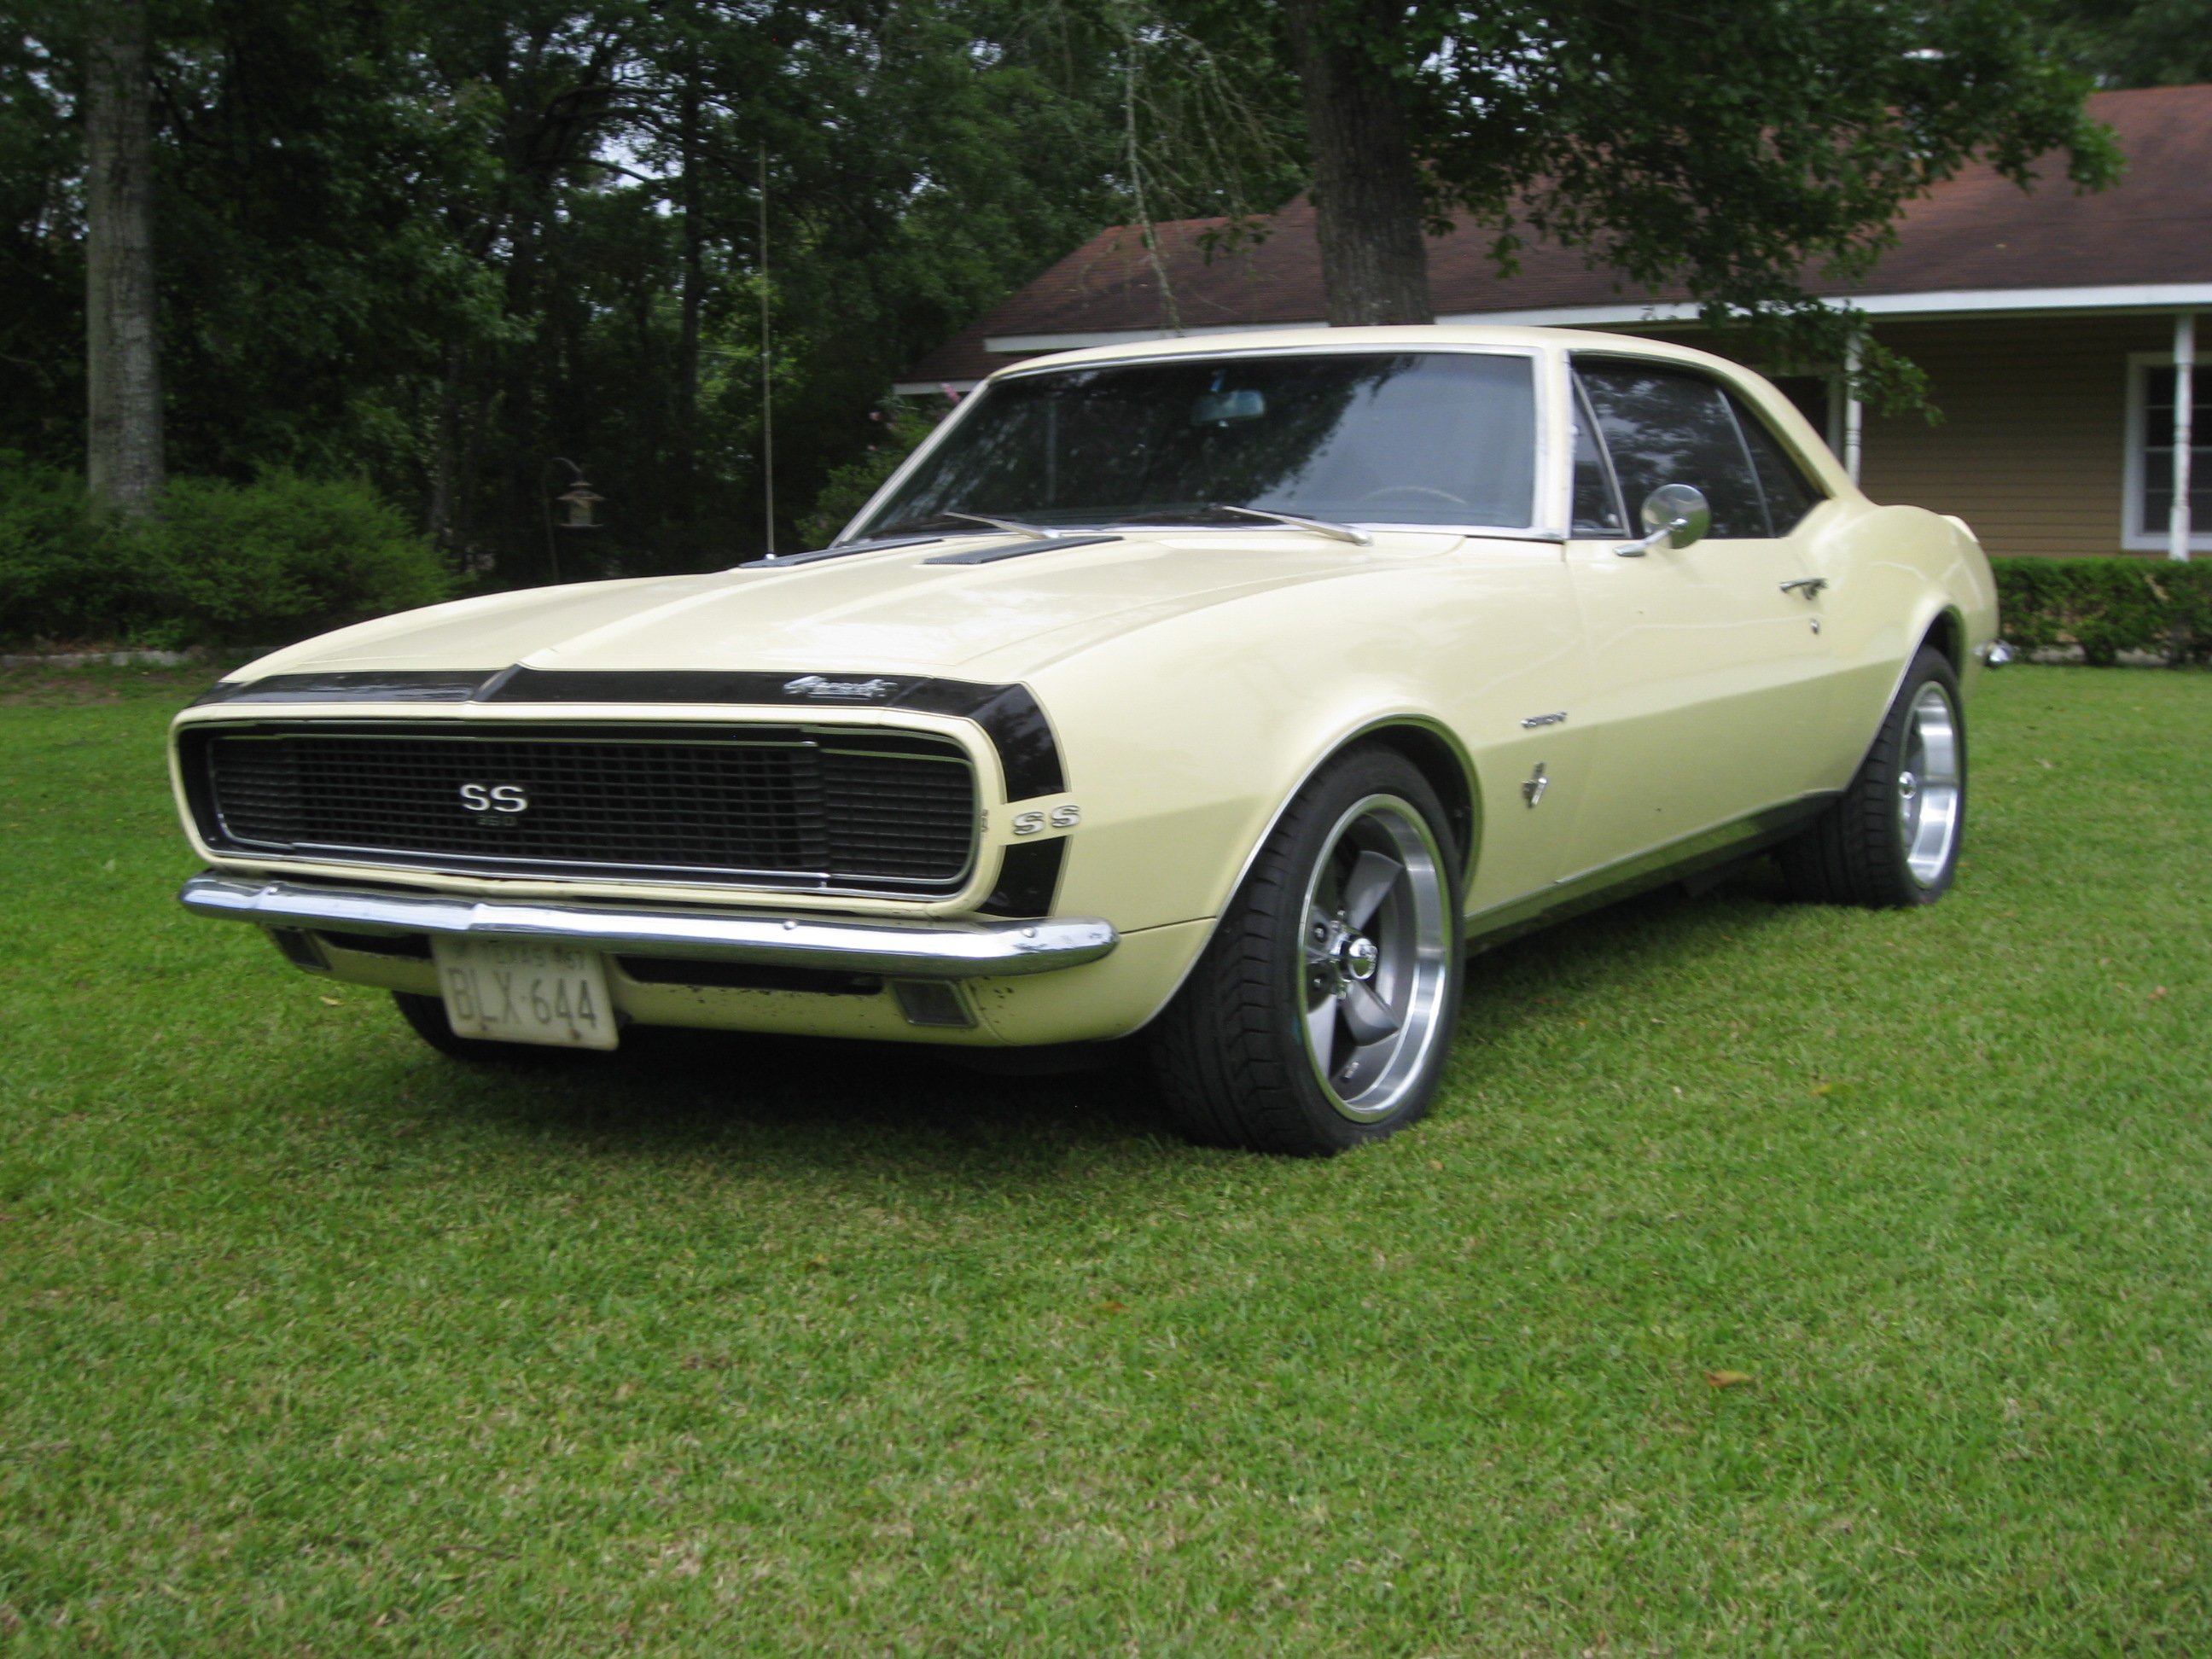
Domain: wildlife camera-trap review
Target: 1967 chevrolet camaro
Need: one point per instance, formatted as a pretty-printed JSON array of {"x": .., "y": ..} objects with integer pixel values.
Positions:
[{"x": 1220, "y": 692}]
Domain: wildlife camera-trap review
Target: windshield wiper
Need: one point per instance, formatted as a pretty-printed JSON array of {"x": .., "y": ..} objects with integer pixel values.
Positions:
[
  {"x": 874, "y": 544},
  {"x": 1014, "y": 525},
  {"x": 1342, "y": 532}
]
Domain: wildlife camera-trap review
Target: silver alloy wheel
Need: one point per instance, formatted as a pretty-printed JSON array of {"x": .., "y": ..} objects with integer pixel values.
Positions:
[
  {"x": 1376, "y": 964},
  {"x": 1928, "y": 785}
]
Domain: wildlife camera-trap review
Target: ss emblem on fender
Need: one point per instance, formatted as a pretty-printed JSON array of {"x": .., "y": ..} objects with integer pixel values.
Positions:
[{"x": 494, "y": 798}]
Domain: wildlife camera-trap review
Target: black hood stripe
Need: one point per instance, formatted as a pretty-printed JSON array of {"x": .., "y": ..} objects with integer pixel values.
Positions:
[{"x": 1028, "y": 753}]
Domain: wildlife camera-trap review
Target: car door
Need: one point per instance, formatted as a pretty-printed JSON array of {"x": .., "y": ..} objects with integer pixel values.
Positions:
[{"x": 1711, "y": 683}]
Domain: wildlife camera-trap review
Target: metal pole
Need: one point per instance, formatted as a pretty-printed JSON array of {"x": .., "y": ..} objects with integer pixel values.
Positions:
[
  {"x": 1854, "y": 411},
  {"x": 767, "y": 395},
  {"x": 2185, "y": 398}
]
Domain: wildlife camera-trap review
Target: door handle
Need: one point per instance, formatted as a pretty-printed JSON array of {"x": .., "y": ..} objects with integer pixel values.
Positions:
[{"x": 1811, "y": 585}]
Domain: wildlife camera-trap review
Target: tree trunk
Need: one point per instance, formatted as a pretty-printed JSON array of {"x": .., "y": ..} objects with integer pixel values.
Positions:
[
  {"x": 442, "y": 459},
  {"x": 694, "y": 280},
  {"x": 122, "y": 375},
  {"x": 1367, "y": 193},
  {"x": 693, "y": 253}
]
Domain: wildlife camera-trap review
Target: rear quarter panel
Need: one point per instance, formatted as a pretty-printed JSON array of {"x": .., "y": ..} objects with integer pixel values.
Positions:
[{"x": 1897, "y": 575}]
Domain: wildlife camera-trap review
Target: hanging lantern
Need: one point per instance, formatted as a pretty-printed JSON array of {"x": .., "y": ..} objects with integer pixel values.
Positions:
[{"x": 578, "y": 502}]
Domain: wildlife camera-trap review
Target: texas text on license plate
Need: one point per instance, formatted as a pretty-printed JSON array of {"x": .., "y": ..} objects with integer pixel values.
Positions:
[{"x": 521, "y": 991}]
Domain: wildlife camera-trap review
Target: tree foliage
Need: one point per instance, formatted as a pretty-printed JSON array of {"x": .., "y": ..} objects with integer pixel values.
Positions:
[
  {"x": 2138, "y": 43},
  {"x": 446, "y": 243},
  {"x": 441, "y": 245},
  {"x": 1734, "y": 150}
]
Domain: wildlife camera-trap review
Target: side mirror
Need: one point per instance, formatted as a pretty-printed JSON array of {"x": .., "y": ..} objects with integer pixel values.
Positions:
[{"x": 1674, "y": 513}]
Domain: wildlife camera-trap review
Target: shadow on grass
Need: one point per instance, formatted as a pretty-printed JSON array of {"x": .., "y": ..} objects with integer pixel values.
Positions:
[
  {"x": 816, "y": 1104},
  {"x": 767, "y": 1103}
]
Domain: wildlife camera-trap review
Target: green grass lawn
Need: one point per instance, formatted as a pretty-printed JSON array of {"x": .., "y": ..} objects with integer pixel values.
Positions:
[{"x": 311, "y": 1341}]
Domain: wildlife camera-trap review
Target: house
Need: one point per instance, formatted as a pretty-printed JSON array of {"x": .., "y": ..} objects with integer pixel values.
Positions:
[{"x": 2054, "y": 328}]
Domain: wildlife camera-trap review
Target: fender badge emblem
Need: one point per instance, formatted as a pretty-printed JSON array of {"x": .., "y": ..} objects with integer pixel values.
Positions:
[{"x": 1533, "y": 790}]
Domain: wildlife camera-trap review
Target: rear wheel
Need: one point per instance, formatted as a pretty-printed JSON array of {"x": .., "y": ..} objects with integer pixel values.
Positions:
[
  {"x": 1892, "y": 840},
  {"x": 1319, "y": 1016}
]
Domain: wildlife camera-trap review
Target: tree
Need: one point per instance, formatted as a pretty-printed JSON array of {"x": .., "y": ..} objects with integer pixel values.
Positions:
[
  {"x": 2139, "y": 43},
  {"x": 123, "y": 466},
  {"x": 1724, "y": 149}
]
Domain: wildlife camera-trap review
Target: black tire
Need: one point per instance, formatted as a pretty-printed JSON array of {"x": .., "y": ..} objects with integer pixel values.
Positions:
[
  {"x": 1323, "y": 943},
  {"x": 426, "y": 1015},
  {"x": 1891, "y": 841}
]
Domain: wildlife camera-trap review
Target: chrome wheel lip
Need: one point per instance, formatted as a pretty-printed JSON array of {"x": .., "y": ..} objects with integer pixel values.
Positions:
[
  {"x": 1930, "y": 785},
  {"x": 1409, "y": 929}
]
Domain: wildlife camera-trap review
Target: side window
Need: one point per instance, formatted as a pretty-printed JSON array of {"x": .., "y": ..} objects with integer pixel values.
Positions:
[
  {"x": 1597, "y": 508},
  {"x": 1665, "y": 425},
  {"x": 1790, "y": 494}
]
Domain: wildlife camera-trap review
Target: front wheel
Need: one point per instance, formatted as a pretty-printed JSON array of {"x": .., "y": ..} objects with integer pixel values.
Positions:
[
  {"x": 1319, "y": 1016},
  {"x": 1892, "y": 839}
]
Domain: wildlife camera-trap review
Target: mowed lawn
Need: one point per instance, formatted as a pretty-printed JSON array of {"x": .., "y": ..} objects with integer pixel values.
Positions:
[{"x": 1769, "y": 1279}]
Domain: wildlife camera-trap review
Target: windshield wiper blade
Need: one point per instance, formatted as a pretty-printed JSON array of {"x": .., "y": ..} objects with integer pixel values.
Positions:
[
  {"x": 875, "y": 545},
  {"x": 1342, "y": 532},
  {"x": 1013, "y": 526}
]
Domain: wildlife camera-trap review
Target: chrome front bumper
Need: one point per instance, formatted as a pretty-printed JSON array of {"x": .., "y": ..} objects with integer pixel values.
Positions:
[{"x": 918, "y": 949}]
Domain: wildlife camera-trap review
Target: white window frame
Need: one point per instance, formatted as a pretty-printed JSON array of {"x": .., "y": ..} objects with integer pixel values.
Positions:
[{"x": 2137, "y": 537}]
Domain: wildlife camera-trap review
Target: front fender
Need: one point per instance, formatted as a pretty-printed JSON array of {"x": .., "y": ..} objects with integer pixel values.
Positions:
[{"x": 1184, "y": 741}]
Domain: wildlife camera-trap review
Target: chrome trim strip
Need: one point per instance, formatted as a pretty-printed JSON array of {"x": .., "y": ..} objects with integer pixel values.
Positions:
[{"x": 917, "y": 948}]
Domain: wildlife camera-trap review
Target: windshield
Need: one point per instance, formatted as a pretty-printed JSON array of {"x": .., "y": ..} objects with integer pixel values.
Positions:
[{"x": 1414, "y": 438}]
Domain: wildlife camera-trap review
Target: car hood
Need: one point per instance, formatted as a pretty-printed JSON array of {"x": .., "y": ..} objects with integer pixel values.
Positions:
[{"x": 890, "y": 611}]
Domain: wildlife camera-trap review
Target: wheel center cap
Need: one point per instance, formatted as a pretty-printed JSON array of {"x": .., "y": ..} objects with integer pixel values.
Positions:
[
  {"x": 1908, "y": 786},
  {"x": 1361, "y": 957}
]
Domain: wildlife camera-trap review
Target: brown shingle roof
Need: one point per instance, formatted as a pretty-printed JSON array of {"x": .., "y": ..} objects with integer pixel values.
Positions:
[{"x": 1975, "y": 232}]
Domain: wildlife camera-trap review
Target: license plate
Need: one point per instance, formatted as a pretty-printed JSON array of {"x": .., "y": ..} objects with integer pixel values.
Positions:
[{"x": 520, "y": 991}]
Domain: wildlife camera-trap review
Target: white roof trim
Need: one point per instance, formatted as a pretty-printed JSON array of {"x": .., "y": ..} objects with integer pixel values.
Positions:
[
  {"x": 1956, "y": 302},
  {"x": 1953, "y": 302}
]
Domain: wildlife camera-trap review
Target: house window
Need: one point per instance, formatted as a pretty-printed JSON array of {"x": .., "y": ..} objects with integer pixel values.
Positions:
[{"x": 2150, "y": 454}]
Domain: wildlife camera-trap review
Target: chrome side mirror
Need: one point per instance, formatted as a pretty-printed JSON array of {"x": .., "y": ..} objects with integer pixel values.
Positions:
[{"x": 1674, "y": 513}]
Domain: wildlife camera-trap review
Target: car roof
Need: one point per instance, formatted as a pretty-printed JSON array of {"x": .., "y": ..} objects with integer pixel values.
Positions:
[
  {"x": 1809, "y": 444},
  {"x": 1428, "y": 337}
]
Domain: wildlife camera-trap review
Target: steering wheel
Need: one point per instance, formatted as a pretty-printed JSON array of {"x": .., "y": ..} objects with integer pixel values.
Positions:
[{"x": 1444, "y": 496}]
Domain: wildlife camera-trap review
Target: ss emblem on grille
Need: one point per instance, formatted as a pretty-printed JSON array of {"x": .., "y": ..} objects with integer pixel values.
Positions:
[{"x": 494, "y": 798}]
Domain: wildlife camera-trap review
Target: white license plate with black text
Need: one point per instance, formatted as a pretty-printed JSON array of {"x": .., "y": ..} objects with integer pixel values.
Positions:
[{"x": 521, "y": 991}]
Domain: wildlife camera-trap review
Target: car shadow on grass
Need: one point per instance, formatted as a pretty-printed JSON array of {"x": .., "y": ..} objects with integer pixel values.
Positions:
[
  {"x": 775, "y": 1098},
  {"x": 819, "y": 1102}
]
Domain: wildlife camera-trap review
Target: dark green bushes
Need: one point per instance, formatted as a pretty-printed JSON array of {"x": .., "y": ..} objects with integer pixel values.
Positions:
[
  {"x": 850, "y": 485},
  {"x": 2107, "y": 606},
  {"x": 218, "y": 563}
]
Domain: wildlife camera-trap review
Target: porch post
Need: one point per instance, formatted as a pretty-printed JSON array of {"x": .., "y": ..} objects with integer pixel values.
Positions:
[
  {"x": 1854, "y": 411},
  {"x": 2184, "y": 397}
]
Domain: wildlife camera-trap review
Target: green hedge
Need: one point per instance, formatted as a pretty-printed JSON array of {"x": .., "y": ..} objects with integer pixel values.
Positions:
[
  {"x": 216, "y": 563},
  {"x": 2107, "y": 607}
]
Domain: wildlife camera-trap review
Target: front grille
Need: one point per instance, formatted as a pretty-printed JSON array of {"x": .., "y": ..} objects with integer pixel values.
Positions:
[{"x": 783, "y": 806}]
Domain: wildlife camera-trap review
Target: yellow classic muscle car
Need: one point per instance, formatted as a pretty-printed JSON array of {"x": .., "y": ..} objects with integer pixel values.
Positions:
[{"x": 1219, "y": 694}]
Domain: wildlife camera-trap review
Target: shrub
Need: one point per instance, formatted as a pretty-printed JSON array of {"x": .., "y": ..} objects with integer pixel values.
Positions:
[
  {"x": 849, "y": 486},
  {"x": 2107, "y": 606},
  {"x": 282, "y": 558},
  {"x": 216, "y": 563},
  {"x": 62, "y": 577}
]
